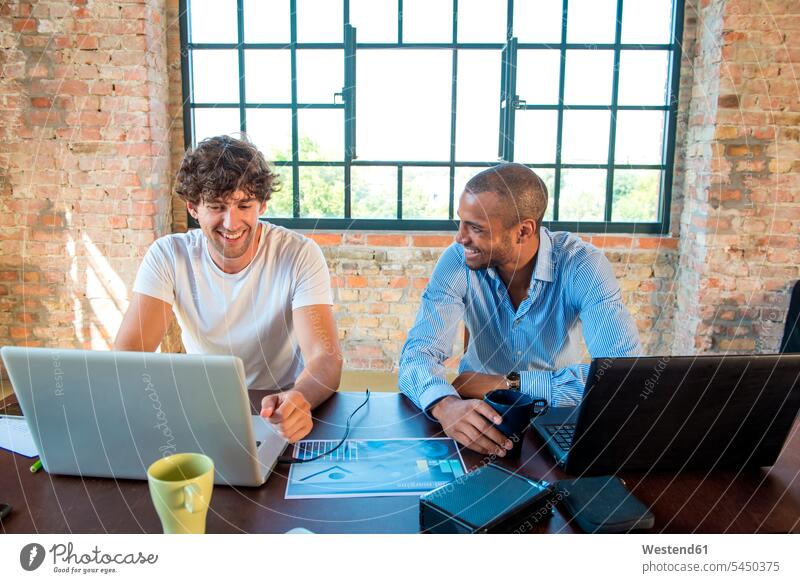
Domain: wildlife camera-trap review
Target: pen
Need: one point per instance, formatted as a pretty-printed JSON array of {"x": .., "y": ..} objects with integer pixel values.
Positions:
[{"x": 37, "y": 465}]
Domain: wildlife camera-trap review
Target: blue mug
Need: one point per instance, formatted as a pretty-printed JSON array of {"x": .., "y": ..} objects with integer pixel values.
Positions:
[{"x": 516, "y": 409}]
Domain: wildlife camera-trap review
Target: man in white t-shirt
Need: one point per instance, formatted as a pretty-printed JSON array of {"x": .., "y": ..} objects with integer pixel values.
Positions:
[{"x": 241, "y": 287}]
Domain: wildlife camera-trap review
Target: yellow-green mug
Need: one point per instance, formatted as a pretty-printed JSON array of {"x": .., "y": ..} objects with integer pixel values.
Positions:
[{"x": 180, "y": 486}]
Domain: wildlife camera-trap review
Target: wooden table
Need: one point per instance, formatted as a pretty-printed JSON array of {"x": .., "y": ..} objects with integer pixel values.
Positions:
[{"x": 754, "y": 501}]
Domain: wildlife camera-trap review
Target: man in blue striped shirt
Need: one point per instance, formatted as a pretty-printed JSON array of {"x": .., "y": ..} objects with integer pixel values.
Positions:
[{"x": 521, "y": 292}]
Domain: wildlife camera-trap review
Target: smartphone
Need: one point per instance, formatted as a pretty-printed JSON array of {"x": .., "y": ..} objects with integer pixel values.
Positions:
[{"x": 603, "y": 504}]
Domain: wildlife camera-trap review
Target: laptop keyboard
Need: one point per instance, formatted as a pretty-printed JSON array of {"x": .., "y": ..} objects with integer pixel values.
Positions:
[{"x": 562, "y": 434}]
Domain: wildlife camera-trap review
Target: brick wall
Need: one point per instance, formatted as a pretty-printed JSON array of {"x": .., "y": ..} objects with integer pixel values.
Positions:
[
  {"x": 84, "y": 166},
  {"x": 740, "y": 226}
]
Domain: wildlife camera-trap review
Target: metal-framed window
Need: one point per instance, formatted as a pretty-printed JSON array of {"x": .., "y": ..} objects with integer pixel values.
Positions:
[{"x": 376, "y": 112}]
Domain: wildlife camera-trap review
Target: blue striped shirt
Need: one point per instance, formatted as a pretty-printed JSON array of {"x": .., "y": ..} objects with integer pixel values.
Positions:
[{"x": 573, "y": 287}]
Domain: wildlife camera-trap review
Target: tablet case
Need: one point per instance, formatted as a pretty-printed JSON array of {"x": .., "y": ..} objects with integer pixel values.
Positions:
[
  {"x": 489, "y": 499},
  {"x": 602, "y": 504}
]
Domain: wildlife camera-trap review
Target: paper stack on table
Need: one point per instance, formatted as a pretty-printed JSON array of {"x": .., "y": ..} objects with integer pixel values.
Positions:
[{"x": 15, "y": 436}]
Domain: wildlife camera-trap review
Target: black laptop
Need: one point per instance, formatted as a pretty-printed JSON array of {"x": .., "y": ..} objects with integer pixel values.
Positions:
[{"x": 676, "y": 413}]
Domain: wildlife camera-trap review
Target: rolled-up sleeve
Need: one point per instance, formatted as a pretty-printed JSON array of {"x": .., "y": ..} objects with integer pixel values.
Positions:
[{"x": 430, "y": 340}]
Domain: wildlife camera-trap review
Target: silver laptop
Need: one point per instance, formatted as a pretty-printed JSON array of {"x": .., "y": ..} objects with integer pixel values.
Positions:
[{"x": 112, "y": 414}]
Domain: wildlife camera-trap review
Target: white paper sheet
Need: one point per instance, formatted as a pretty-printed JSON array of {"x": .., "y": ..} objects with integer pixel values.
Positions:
[{"x": 15, "y": 436}]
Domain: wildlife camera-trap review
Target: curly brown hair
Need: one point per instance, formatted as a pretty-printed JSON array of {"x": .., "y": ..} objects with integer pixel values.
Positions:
[{"x": 220, "y": 166}]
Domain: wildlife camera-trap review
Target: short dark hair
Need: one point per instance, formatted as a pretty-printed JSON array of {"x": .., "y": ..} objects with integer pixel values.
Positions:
[
  {"x": 521, "y": 187},
  {"x": 220, "y": 166}
]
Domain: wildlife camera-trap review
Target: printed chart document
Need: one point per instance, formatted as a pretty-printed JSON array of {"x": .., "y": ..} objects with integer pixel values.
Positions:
[
  {"x": 373, "y": 467},
  {"x": 15, "y": 436}
]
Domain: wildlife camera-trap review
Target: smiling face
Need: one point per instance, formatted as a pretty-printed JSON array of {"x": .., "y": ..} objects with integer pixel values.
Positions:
[
  {"x": 487, "y": 240},
  {"x": 230, "y": 226}
]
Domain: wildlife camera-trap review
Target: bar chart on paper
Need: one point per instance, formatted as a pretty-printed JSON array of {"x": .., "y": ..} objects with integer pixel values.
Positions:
[{"x": 373, "y": 467}]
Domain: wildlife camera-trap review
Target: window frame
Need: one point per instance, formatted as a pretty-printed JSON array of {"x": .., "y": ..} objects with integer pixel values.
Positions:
[{"x": 507, "y": 118}]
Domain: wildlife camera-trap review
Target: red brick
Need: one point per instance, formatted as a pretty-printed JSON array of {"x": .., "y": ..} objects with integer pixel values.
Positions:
[
  {"x": 118, "y": 222},
  {"x": 611, "y": 241},
  {"x": 51, "y": 220},
  {"x": 23, "y": 25},
  {"x": 387, "y": 240},
  {"x": 27, "y": 318},
  {"x": 42, "y": 102},
  {"x": 326, "y": 239},
  {"x": 18, "y": 332},
  {"x": 728, "y": 101},
  {"x": 356, "y": 281},
  {"x": 657, "y": 243},
  {"x": 743, "y": 150},
  {"x": 433, "y": 240},
  {"x": 73, "y": 87}
]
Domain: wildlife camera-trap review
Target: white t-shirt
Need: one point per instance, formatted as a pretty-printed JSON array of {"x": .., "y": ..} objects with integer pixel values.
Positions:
[{"x": 246, "y": 314}]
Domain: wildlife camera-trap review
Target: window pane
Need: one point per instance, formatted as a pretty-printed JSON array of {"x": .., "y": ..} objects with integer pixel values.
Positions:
[
  {"x": 215, "y": 76},
  {"x": 535, "y": 137},
  {"x": 215, "y": 122},
  {"x": 463, "y": 175},
  {"x": 636, "y": 195},
  {"x": 373, "y": 192},
  {"x": 394, "y": 110},
  {"x": 591, "y": 21},
  {"x": 268, "y": 76},
  {"x": 320, "y": 74},
  {"x": 643, "y": 77},
  {"x": 639, "y": 137},
  {"x": 271, "y": 131},
  {"x": 549, "y": 178},
  {"x": 213, "y": 21},
  {"x": 280, "y": 203},
  {"x": 647, "y": 21},
  {"x": 426, "y": 21},
  {"x": 538, "y": 21},
  {"x": 426, "y": 193},
  {"x": 321, "y": 134},
  {"x": 321, "y": 191},
  {"x": 583, "y": 195},
  {"x": 482, "y": 21},
  {"x": 375, "y": 20},
  {"x": 320, "y": 21},
  {"x": 477, "y": 120},
  {"x": 266, "y": 21},
  {"x": 588, "y": 78},
  {"x": 584, "y": 138},
  {"x": 538, "y": 72}
]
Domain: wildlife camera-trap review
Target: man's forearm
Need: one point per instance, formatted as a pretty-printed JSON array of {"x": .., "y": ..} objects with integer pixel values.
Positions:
[
  {"x": 320, "y": 379},
  {"x": 474, "y": 385}
]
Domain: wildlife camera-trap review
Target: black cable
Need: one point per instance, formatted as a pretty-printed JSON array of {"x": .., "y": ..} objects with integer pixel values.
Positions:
[{"x": 294, "y": 460}]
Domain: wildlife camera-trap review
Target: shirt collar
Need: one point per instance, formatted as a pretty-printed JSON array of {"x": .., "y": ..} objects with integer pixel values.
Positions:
[{"x": 544, "y": 260}]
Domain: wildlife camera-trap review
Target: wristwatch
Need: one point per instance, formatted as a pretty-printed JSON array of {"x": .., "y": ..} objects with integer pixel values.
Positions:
[{"x": 512, "y": 380}]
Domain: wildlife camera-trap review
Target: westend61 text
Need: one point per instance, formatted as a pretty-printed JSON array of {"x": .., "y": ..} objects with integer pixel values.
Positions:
[{"x": 672, "y": 550}]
